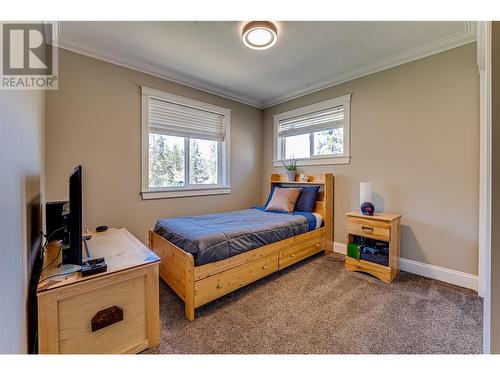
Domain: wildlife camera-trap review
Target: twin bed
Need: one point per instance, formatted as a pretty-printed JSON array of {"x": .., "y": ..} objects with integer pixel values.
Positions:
[{"x": 206, "y": 257}]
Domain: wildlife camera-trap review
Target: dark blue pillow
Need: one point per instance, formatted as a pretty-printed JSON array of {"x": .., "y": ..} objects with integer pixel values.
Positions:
[
  {"x": 269, "y": 197},
  {"x": 307, "y": 199}
]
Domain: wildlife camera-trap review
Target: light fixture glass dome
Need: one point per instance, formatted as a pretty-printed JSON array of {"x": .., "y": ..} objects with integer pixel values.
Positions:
[{"x": 259, "y": 34}]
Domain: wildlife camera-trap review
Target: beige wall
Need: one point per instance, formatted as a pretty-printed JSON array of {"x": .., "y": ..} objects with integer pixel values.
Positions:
[
  {"x": 495, "y": 192},
  {"x": 94, "y": 120},
  {"x": 415, "y": 135},
  {"x": 21, "y": 171}
]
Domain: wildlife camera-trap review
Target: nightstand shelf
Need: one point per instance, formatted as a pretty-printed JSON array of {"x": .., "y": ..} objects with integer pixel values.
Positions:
[{"x": 380, "y": 227}]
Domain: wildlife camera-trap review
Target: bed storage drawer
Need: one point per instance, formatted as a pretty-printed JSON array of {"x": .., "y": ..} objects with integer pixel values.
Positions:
[
  {"x": 300, "y": 250},
  {"x": 210, "y": 288},
  {"x": 376, "y": 229}
]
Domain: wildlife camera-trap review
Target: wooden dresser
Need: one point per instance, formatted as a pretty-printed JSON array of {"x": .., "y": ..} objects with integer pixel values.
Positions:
[
  {"x": 383, "y": 227},
  {"x": 112, "y": 312}
]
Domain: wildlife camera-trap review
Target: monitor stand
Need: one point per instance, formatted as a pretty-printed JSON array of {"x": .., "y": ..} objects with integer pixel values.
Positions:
[
  {"x": 62, "y": 271},
  {"x": 87, "y": 248}
]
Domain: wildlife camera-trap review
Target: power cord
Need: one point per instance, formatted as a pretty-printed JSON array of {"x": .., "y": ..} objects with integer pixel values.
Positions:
[
  {"x": 53, "y": 260},
  {"x": 47, "y": 238},
  {"x": 44, "y": 244}
]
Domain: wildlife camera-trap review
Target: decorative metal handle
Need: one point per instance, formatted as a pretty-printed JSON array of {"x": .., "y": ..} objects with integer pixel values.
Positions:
[
  {"x": 264, "y": 266},
  {"x": 219, "y": 286},
  {"x": 367, "y": 229}
]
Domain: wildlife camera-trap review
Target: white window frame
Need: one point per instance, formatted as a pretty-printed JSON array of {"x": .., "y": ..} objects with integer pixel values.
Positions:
[
  {"x": 222, "y": 187},
  {"x": 315, "y": 159}
]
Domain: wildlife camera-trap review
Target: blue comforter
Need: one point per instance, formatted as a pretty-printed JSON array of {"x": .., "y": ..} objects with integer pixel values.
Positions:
[{"x": 220, "y": 236}]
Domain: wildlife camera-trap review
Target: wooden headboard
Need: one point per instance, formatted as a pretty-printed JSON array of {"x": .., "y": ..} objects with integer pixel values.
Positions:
[{"x": 324, "y": 201}]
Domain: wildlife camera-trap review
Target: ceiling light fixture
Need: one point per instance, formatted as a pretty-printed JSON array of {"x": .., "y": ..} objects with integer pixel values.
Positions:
[{"x": 259, "y": 34}]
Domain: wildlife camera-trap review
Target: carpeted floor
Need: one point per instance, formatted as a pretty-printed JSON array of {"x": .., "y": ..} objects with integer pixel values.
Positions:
[{"x": 318, "y": 307}]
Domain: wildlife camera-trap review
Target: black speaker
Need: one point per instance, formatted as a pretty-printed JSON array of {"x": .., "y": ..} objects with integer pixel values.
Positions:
[{"x": 55, "y": 219}]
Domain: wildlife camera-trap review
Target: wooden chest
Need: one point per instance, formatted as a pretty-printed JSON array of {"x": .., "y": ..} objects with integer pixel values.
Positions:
[{"x": 112, "y": 312}]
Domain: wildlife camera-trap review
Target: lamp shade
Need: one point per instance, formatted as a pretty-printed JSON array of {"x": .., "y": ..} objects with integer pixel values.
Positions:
[{"x": 365, "y": 192}]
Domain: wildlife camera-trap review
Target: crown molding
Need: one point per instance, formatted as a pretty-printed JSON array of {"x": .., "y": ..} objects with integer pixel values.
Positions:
[
  {"x": 51, "y": 35},
  {"x": 71, "y": 44},
  {"x": 468, "y": 35}
]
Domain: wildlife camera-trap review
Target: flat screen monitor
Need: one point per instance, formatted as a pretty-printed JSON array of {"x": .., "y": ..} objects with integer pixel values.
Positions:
[{"x": 73, "y": 254}]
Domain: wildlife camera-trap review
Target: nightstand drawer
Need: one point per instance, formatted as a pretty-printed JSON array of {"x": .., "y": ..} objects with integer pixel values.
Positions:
[{"x": 379, "y": 230}]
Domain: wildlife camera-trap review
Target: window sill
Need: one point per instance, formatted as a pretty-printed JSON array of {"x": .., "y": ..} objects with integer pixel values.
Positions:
[
  {"x": 318, "y": 161},
  {"x": 165, "y": 194}
]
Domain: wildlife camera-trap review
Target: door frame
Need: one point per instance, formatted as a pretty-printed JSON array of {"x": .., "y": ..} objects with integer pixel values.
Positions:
[{"x": 485, "y": 152}]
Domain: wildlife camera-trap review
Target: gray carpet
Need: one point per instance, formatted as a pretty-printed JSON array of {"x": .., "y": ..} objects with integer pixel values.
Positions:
[{"x": 316, "y": 306}]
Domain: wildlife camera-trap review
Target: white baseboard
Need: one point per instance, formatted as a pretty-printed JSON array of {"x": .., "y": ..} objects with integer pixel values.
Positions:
[
  {"x": 340, "y": 248},
  {"x": 447, "y": 275}
]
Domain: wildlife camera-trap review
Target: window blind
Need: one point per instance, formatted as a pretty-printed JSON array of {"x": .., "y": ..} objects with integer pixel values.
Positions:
[
  {"x": 184, "y": 121},
  {"x": 312, "y": 122}
]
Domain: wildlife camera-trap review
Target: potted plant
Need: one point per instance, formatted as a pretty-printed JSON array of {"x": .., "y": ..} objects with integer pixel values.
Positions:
[{"x": 291, "y": 168}]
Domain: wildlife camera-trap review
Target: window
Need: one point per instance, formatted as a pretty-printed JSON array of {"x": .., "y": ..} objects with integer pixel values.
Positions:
[
  {"x": 185, "y": 146},
  {"x": 315, "y": 134}
]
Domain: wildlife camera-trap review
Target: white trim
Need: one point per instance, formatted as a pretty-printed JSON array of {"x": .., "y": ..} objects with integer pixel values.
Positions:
[
  {"x": 339, "y": 100},
  {"x": 447, "y": 275},
  {"x": 340, "y": 248},
  {"x": 184, "y": 193},
  {"x": 484, "y": 67},
  {"x": 428, "y": 270},
  {"x": 53, "y": 37},
  {"x": 484, "y": 62},
  {"x": 145, "y": 66},
  {"x": 468, "y": 35},
  {"x": 330, "y": 160},
  {"x": 344, "y": 158},
  {"x": 223, "y": 186},
  {"x": 484, "y": 270},
  {"x": 144, "y": 143},
  {"x": 182, "y": 100}
]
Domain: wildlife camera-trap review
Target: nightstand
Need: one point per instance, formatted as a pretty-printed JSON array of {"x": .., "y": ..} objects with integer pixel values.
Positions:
[{"x": 380, "y": 227}]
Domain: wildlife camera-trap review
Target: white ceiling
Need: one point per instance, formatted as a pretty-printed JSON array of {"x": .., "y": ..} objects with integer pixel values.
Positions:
[{"x": 307, "y": 57}]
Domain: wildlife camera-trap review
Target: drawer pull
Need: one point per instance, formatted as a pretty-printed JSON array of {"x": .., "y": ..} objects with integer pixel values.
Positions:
[
  {"x": 292, "y": 255},
  {"x": 367, "y": 229},
  {"x": 219, "y": 286},
  {"x": 264, "y": 266},
  {"x": 106, "y": 317}
]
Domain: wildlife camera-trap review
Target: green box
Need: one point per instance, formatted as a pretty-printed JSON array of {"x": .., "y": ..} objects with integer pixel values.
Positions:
[{"x": 353, "y": 250}]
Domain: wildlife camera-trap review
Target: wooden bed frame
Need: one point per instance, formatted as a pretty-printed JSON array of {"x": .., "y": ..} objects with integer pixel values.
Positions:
[{"x": 198, "y": 285}]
